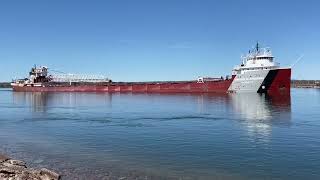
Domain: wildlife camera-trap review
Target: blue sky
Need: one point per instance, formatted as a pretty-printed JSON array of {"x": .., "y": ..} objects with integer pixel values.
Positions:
[{"x": 141, "y": 40}]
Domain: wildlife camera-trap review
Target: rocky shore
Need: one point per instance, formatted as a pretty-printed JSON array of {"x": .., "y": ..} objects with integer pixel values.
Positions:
[{"x": 11, "y": 169}]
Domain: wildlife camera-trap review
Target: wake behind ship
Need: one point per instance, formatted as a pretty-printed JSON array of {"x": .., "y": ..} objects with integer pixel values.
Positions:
[{"x": 258, "y": 72}]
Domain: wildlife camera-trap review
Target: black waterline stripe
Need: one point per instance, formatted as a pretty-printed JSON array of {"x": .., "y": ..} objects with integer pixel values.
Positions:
[{"x": 268, "y": 81}]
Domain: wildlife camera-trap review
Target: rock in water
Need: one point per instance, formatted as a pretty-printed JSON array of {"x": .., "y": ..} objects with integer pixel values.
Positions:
[
  {"x": 17, "y": 162},
  {"x": 46, "y": 174},
  {"x": 3, "y": 158},
  {"x": 11, "y": 169}
]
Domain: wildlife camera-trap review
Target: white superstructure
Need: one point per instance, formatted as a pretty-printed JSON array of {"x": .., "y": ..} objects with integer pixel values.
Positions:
[{"x": 255, "y": 66}]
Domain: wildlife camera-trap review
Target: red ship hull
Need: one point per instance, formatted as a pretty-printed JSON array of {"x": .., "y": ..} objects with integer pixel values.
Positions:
[
  {"x": 277, "y": 80},
  {"x": 162, "y": 87}
]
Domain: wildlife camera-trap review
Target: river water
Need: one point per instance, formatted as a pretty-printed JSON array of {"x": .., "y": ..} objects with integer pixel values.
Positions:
[{"x": 164, "y": 136}]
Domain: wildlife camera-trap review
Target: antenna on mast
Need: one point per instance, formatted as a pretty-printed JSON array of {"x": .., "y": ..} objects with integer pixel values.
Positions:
[
  {"x": 297, "y": 61},
  {"x": 257, "y": 46}
]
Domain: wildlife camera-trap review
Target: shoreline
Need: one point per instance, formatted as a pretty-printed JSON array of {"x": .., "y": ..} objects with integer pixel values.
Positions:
[
  {"x": 11, "y": 169},
  {"x": 5, "y": 85},
  {"x": 305, "y": 84}
]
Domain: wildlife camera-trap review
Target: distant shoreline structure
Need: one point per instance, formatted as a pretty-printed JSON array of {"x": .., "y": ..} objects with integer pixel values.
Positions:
[
  {"x": 5, "y": 85},
  {"x": 305, "y": 83}
]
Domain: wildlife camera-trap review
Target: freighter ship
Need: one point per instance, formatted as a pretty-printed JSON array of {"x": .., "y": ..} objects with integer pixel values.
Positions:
[{"x": 258, "y": 72}]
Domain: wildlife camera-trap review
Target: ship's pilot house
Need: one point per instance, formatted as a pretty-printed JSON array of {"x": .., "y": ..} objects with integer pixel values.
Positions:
[{"x": 257, "y": 59}]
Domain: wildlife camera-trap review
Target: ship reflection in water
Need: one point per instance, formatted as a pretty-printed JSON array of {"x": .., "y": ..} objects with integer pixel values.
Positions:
[
  {"x": 259, "y": 110},
  {"x": 41, "y": 101},
  {"x": 251, "y": 106},
  {"x": 260, "y": 106}
]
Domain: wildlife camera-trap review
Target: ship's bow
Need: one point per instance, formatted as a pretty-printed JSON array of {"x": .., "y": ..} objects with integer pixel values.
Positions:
[{"x": 276, "y": 81}]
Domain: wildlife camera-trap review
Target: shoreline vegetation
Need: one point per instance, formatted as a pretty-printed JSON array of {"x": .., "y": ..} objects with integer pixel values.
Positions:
[
  {"x": 11, "y": 169},
  {"x": 294, "y": 84}
]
